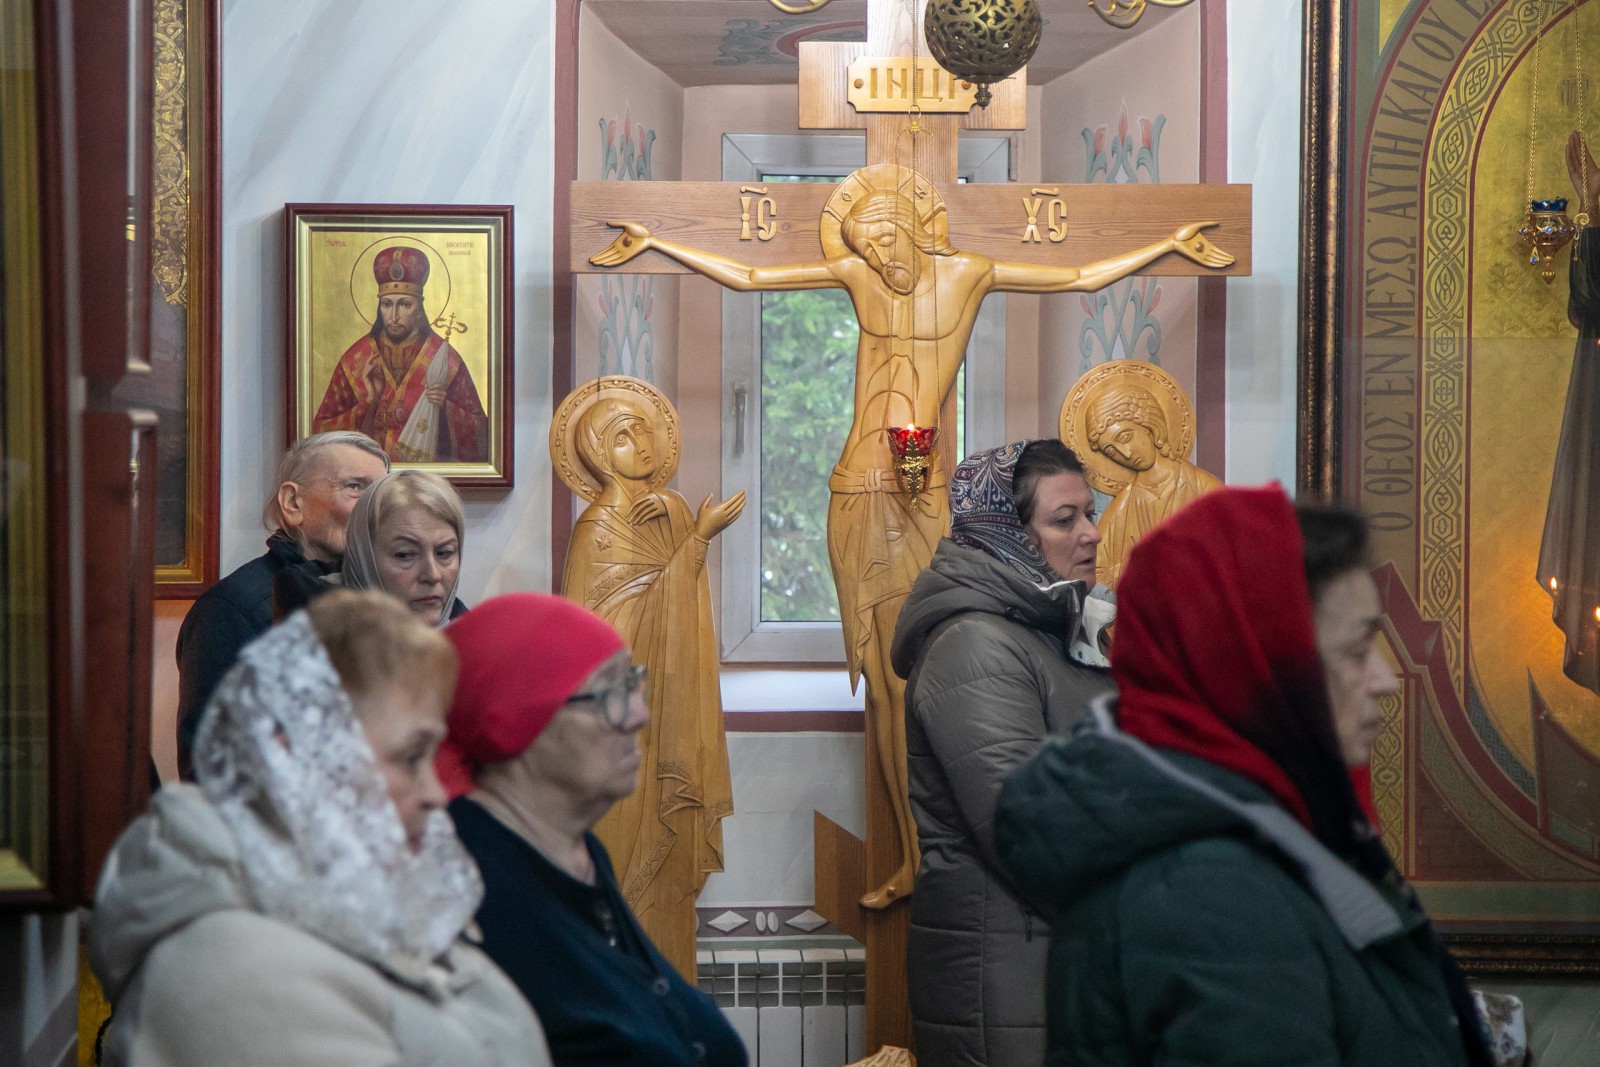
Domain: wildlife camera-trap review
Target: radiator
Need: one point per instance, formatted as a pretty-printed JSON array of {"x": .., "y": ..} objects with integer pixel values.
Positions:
[{"x": 793, "y": 1007}]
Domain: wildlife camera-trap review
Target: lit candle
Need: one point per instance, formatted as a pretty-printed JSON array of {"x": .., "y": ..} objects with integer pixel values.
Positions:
[{"x": 1553, "y": 585}]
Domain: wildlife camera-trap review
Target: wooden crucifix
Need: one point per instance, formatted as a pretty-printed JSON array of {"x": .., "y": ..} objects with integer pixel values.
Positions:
[{"x": 917, "y": 252}]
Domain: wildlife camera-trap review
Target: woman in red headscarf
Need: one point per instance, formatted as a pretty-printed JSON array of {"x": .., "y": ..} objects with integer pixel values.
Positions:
[
  {"x": 543, "y": 739},
  {"x": 1216, "y": 889}
]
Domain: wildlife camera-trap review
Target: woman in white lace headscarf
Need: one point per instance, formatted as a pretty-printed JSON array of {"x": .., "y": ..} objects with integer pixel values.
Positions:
[{"x": 305, "y": 904}]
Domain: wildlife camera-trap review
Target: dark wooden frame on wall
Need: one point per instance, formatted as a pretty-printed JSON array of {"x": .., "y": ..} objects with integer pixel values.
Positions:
[
  {"x": 98, "y": 452},
  {"x": 1326, "y": 181},
  {"x": 502, "y": 409},
  {"x": 203, "y": 387},
  {"x": 1322, "y": 156}
]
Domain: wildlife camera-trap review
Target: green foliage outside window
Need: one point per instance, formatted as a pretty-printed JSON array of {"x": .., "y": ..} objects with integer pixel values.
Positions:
[{"x": 808, "y": 358}]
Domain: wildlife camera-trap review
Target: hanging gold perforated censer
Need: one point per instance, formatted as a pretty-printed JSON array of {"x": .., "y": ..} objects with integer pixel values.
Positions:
[
  {"x": 983, "y": 41},
  {"x": 1545, "y": 229}
]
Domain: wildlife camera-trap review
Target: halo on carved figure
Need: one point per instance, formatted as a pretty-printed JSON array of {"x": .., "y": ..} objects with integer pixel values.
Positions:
[
  {"x": 565, "y": 453},
  {"x": 859, "y": 184},
  {"x": 1105, "y": 474}
]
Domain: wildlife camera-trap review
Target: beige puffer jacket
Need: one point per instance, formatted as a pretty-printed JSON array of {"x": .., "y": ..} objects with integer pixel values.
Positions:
[{"x": 198, "y": 978}]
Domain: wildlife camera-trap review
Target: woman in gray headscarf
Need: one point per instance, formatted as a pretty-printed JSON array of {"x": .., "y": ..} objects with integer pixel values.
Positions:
[
  {"x": 1000, "y": 646},
  {"x": 306, "y": 902},
  {"x": 404, "y": 537}
]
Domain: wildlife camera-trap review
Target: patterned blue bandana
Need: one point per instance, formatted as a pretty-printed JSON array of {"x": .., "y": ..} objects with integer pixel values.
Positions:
[{"x": 984, "y": 512}]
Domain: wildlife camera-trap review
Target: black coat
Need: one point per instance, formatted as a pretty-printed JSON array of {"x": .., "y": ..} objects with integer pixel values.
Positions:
[
  {"x": 228, "y": 616},
  {"x": 1198, "y": 922},
  {"x": 602, "y": 992}
]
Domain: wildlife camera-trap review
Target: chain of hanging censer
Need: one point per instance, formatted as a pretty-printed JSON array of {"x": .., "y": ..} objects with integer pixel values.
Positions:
[
  {"x": 911, "y": 446},
  {"x": 1546, "y": 229}
]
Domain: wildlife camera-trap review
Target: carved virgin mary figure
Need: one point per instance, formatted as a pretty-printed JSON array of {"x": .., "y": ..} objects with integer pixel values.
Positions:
[{"x": 637, "y": 557}]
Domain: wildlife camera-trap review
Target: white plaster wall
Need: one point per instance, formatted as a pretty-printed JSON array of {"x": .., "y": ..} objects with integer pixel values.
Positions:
[
  {"x": 384, "y": 101},
  {"x": 1154, "y": 73},
  {"x": 778, "y": 781},
  {"x": 1264, "y": 150}
]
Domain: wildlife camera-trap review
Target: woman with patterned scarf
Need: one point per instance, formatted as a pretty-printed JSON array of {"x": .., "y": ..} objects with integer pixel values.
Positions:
[
  {"x": 306, "y": 902},
  {"x": 995, "y": 641},
  {"x": 1218, "y": 891}
]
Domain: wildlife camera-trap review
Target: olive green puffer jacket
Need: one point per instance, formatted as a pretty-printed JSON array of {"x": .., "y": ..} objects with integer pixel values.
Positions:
[
  {"x": 986, "y": 654},
  {"x": 1199, "y": 923}
]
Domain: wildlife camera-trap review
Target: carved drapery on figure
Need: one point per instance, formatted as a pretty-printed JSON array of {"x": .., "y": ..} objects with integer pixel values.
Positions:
[
  {"x": 637, "y": 558},
  {"x": 1132, "y": 425}
]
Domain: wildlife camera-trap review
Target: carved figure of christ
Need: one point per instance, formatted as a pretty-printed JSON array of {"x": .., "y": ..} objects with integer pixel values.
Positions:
[{"x": 916, "y": 298}]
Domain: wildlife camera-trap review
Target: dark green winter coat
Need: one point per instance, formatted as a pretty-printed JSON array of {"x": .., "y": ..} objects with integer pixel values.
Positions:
[
  {"x": 985, "y": 650},
  {"x": 1199, "y": 924}
]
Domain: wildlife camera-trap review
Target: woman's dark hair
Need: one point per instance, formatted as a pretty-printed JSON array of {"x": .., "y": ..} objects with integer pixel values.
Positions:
[
  {"x": 1038, "y": 460},
  {"x": 1335, "y": 540}
]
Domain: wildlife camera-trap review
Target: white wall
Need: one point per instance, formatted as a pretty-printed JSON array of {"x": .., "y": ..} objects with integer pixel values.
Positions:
[
  {"x": 1264, "y": 150},
  {"x": 1167, "y": 59},
  {"x": 779, "y": 779},
  {"x": 384, "y": 101}
]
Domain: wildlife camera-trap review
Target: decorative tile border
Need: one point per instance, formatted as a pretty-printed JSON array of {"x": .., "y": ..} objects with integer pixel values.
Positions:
[{"x": 749, "y": 921}]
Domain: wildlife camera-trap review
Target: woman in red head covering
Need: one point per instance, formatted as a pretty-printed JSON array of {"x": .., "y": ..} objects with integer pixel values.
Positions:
[
  {"x": 543, "y": 740},
  {"x": 1217, "y": 892}
]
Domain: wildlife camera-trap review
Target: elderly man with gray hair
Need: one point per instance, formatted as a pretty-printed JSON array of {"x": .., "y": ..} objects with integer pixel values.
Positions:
[{"x": 319, "y": 481}]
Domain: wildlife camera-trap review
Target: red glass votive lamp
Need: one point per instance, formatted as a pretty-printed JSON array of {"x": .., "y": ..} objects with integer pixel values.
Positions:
[{"x": 912, "y": 448}]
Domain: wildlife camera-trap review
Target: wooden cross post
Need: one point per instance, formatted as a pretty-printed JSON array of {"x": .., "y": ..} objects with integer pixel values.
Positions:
[{"x": 917, "y": 252}]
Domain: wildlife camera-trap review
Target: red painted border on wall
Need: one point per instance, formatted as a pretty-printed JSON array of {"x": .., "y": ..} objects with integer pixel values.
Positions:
[{"x": 793, "y": 722}]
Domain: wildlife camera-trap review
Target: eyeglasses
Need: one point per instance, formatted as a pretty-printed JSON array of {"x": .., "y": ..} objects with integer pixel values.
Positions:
[{"x": 612, "y": 701}]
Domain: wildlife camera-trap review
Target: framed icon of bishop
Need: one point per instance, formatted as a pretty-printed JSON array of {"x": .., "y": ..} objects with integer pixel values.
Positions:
[{"x": 400, "y": 326}]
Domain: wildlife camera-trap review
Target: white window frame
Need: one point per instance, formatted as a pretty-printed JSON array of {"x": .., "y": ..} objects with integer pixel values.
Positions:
[{"x": 745, "y": 158}]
